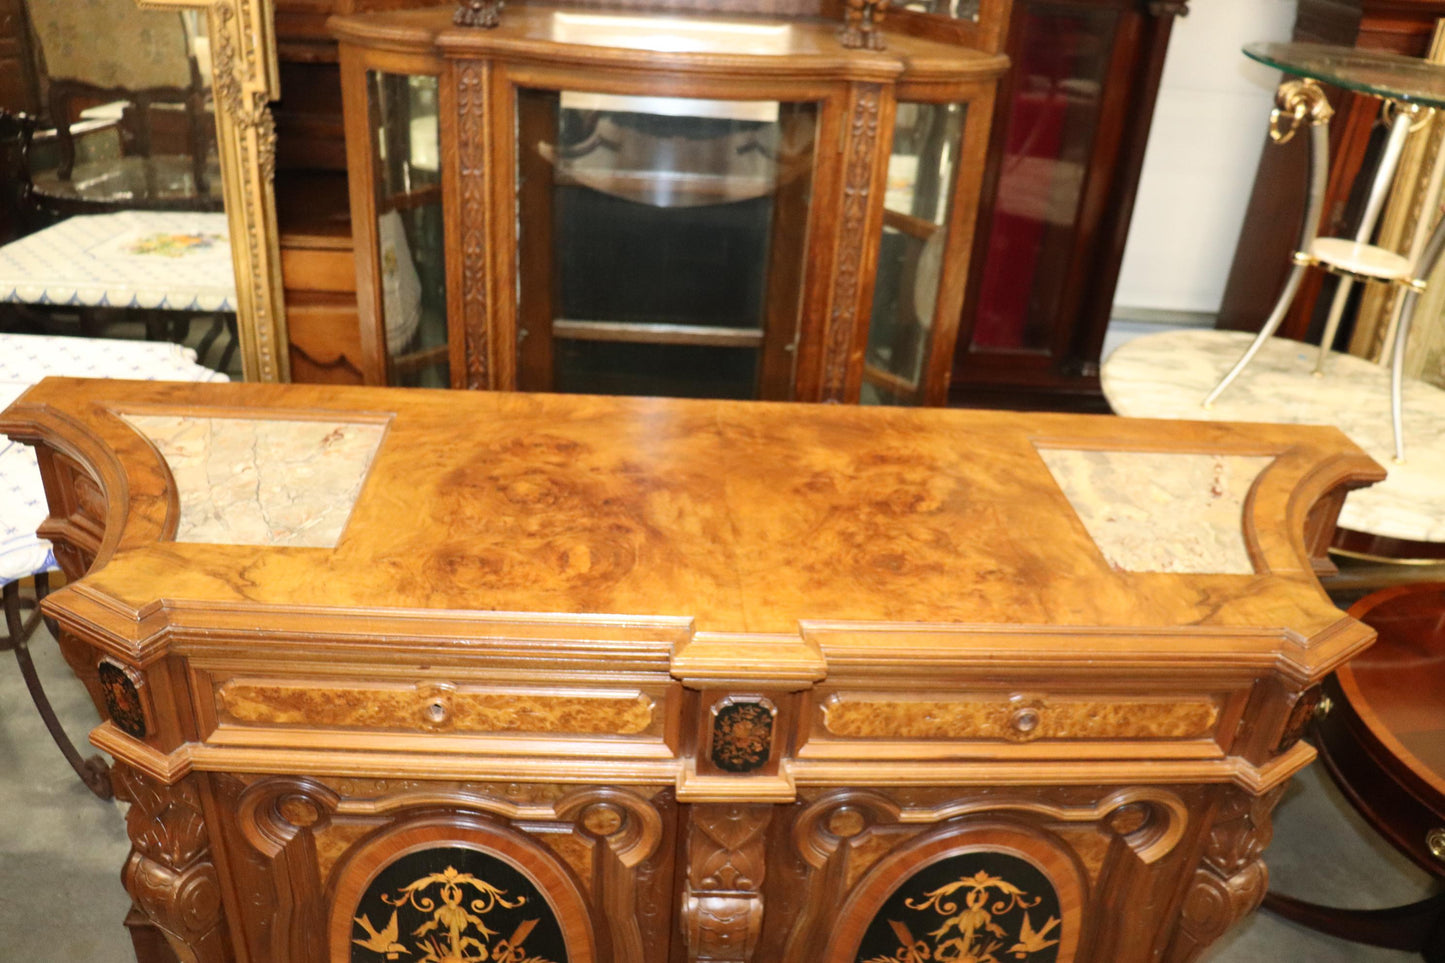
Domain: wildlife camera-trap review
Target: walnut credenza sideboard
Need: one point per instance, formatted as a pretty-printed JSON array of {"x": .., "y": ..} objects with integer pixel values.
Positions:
[{"x": 428, "y": 676}]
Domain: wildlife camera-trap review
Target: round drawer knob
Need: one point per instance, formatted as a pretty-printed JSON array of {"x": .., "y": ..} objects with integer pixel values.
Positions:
[
  {"x": 1024, "y": 720},
  {"x": 1435, "y": 842},
  {"x": 436, "y": 712}
]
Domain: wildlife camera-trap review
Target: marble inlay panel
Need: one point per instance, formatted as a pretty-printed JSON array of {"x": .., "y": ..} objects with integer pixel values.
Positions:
[
  {"x": 1167, "y": 375},
  {"x": 247, "y": 481},
  {"x": 1161, "y": 511}
]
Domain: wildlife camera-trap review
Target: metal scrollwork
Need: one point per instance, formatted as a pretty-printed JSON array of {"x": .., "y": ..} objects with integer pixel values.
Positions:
[{"x": 1299, "y": 101}]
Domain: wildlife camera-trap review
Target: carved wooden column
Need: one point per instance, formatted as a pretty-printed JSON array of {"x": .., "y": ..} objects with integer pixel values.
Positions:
[
  {"x": 722, "y": 907},
  {"x": 1231, "y": 879},
  {"x": 169, "y": 874}
]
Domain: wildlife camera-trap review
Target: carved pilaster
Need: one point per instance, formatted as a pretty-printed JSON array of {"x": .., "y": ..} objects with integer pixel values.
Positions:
[
  {"x": 1231, "y": 878},
  {"x": 722, "y": 907},
  {"x": 169, "y": 873},
  {"x": 854, "y": 240},
  {"x": 472, "y": 139}
]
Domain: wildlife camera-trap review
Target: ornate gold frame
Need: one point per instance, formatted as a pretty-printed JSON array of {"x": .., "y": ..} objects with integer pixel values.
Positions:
[{"x": 245, "y": 81}]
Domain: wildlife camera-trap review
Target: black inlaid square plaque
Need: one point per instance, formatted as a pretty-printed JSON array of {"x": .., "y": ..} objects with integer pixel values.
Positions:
[
  {"x": 978, "y": 906},
  {"x": 742, "y": 736},
  {"x": 452, "y": 904}
]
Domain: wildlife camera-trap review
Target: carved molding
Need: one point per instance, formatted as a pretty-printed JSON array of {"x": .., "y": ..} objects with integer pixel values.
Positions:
[
  {"x": 857, "y": 188},
  {"x": 472, "y": 139},
  {"x": 722, "y": 904},
  {"x": 169, "y": 873},
  {"x": 1231, "y": 879}
]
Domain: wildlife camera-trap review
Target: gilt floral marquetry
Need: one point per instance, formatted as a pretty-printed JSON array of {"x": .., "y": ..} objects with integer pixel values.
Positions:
[{"x": 643, "y": 680}]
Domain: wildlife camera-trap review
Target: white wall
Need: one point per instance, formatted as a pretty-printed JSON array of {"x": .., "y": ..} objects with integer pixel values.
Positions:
[{"x": 1203, "y": 149}]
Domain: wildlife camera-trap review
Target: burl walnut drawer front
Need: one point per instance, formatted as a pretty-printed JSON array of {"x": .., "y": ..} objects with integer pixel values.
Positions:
[
  {"x": 1076, "y": 722},
  {"x": 259, "y": 711}
]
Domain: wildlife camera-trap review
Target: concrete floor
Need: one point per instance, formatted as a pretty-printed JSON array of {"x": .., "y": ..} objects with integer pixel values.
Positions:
[{"x": 61, "y": 851}]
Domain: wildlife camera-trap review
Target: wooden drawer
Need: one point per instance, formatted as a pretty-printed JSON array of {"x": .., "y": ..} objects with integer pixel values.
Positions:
[
  {"x": 1072, "y": 722},
  {"x": 404, "y": 706},
  {"x": 331, "y": 269}
]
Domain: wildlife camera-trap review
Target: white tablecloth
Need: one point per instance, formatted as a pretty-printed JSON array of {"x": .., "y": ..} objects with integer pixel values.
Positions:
[
  {"x": 26, "y": 359},
  {"x": 175, "y": 260}
]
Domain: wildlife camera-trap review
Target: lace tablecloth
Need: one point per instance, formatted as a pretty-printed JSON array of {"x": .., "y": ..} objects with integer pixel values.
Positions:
[{"x": 26, "y": 359}]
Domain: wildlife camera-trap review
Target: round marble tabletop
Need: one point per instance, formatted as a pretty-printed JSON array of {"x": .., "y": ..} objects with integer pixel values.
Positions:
[{"x": 1167, "y": 375}]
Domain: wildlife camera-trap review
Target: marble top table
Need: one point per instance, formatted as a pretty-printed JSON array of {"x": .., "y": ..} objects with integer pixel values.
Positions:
[
  {"x": 168, "y": 260},
  {"x": 1167, "y": 375},
  {"x": 25, "y": 360}
]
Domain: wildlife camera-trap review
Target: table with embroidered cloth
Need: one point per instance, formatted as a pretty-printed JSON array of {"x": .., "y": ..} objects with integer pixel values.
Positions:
[{"x": 164, "y": 266}]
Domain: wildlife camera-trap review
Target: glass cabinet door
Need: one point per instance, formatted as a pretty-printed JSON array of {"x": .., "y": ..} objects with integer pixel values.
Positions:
[
  {"x": 408, "y": 202},
  {"x": 916, "y": 209},
  {"x": 660, "y": 243}
]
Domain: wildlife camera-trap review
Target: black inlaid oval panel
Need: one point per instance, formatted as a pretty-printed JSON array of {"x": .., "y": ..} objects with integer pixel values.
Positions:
[
  {"x": 451, "y": 903},
  {"x": 981, "y": 906}
]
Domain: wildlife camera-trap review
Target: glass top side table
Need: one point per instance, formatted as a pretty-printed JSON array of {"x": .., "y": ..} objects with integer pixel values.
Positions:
[{"x": 1412, "y": 89}]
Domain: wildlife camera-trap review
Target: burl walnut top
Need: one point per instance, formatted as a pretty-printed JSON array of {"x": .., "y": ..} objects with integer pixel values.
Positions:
[{"x": 741, "y": 517}]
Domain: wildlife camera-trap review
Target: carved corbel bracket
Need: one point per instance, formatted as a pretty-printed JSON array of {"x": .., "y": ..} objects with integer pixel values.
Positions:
[
  {"x": 722, "y": 906},
  {"x": 1231, "y": 879},
  {"x": 169, "y": 873}
]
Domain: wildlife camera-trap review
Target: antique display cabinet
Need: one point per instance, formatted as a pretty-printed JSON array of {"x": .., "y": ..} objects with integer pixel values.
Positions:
[
  {"x": 776, "y": 204},
  {"x": 436, "y": 676}
]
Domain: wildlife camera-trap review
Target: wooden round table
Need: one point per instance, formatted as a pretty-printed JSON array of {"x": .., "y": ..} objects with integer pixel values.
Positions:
[{"x": 1383, "y": 741}]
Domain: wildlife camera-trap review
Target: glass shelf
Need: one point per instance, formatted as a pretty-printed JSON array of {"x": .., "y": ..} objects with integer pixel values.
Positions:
[{"x": 1391, "y": 76}]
